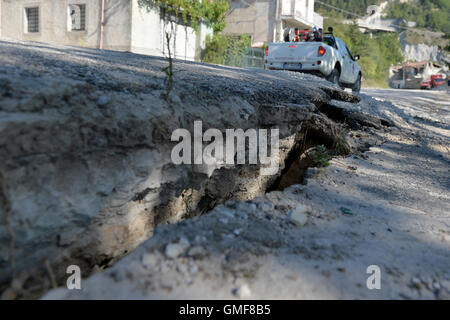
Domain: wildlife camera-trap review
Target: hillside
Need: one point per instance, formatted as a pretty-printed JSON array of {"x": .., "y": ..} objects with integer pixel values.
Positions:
[
  {"x": 429, "y": 14},
  {"x": 355, "y": 6},
  {"x": 380, "y": 50}
]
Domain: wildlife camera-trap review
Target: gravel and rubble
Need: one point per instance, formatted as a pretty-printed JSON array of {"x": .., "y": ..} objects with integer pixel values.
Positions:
[{"x": 86, "y": 177}]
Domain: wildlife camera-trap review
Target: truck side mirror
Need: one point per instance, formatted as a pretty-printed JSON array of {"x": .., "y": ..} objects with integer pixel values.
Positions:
[
  {"x": 330, "y": 29},
  {"x": 357, "y": 57}
]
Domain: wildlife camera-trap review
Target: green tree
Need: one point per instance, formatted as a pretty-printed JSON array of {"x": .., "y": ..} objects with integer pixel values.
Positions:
[
  {"x": 432, "y": 14},
  {"x": 210, "y": 11}
]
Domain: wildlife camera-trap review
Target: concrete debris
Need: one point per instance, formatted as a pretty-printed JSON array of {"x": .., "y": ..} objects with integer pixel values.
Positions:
[
  {"x": 173, "y": 250},
  {"x": 299, "y": 215},
  {"x": 243, "y": 292}
]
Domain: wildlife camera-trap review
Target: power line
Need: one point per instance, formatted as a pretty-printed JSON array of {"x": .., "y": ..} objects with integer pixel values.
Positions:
[
  {"x": 357, "y": 15},
  {"x": 339, "y": 9}
]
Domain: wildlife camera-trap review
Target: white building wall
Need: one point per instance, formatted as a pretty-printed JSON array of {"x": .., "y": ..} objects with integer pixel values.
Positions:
[
  {"x": 309, "y": 8},
  {"x": 255, "y": 19},
  {"x": 53, "y": 22},
  {"x": 185, "y": 43},
  {"x": 204, "y": 31},
  {"x": 146, "y": 31},
  {"x": 301, "y": 9},
  {"x": 127, "y": 27},
  {"x": 286, "y": 7},
  {"x": 148, "y": 35},
  {"x": 264, "y": 20}
]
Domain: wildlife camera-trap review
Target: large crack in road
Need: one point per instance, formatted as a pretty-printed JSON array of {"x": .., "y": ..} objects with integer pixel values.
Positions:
[
  {"x": 86, "y": 169},
  {"x": 387, "y": 207}
]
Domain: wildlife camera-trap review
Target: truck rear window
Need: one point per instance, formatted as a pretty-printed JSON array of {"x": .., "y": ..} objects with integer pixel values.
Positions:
[{"x": 330, "y": 41}]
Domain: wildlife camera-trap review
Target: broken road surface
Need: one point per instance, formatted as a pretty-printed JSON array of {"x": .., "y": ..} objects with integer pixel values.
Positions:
[
  {"x": 398, "y": 201},
  {"x": 96, "y": 192}
]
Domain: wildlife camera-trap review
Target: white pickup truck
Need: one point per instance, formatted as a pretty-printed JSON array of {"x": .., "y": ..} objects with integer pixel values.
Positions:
[{"x": 328, "y": 57}]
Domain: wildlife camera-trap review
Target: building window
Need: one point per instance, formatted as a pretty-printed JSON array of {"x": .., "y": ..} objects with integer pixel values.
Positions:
[
  {"x": 77, "y": 17},
  {"x": 32, "y": 19}
]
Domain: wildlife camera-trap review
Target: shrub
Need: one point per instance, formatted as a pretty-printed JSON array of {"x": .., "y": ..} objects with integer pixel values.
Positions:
[{"x": 225, "y": 49}]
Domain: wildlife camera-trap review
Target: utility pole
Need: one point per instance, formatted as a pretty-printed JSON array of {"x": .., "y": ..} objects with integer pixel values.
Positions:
[
  {"x": 102, "y": 23},
  {"x": 278, "y": 24}
]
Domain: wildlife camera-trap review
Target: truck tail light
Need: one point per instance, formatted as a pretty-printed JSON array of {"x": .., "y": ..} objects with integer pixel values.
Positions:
[
  {"x": 266, "y": 51},
  {"x": 321, "y": 51}
]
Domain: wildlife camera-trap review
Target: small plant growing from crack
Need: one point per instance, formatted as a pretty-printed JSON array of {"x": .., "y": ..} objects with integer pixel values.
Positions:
[
  {"x": 188, "y": 201},
  {"x": 188, "y": 195},
  {"x": 340, "y": 146},
  {"x": 169, "y": 69},
  {"x": 320, "y": 156}
]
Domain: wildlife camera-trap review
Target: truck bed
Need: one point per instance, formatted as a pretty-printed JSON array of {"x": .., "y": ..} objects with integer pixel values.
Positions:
[{"x": 296, "y": 56}]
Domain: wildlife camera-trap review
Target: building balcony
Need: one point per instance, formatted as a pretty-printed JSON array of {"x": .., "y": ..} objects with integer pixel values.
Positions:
[
  {"x": 300, "y": 14},
  {"x": 318, "y": 20}
]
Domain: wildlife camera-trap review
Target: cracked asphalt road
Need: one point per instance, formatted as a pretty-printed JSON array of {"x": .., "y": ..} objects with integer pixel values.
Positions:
[{"x": 388, "y": 207}]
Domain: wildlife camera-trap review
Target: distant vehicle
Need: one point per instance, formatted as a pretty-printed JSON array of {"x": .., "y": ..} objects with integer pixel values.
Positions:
[
  {"x": 425, "y": 84},
  {"x": 437, "y": 80},
  {"x": 314, "y": 52}
]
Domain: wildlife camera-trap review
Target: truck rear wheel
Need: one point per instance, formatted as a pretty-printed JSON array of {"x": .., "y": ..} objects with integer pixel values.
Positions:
[
  {"x": 334, "y": 77},
  {"x": 357, "y": 85}
]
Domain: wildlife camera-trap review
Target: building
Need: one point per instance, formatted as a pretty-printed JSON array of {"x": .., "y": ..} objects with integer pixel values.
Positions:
[
  {"x": 375, "y": 20},
  {"x": 126, "y": 26},
  {"x": 410, "y": 75},
  {"x": 265, "y": 20}
]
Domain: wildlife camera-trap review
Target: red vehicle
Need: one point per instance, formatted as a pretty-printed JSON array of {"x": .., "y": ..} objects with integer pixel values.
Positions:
[
  {"x": 425, "y": 84},
  {"x": 437, "y": 80}
]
